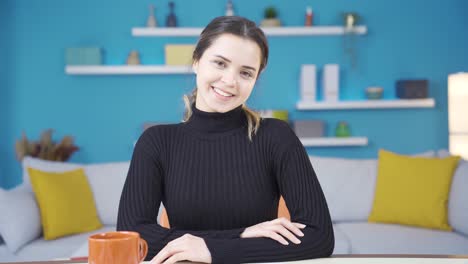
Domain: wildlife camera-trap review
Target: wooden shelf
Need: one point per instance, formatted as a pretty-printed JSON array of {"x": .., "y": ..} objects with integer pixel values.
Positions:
[
  {"x": 124, "y": 69},
  {"x": 334, "y": 142},
  {"x": 270, "y": 31},
  {"x": 367, "y": 104}
]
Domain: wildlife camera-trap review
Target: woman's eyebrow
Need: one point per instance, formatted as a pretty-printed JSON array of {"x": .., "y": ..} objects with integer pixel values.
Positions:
[{"x": 245, "y": 66}]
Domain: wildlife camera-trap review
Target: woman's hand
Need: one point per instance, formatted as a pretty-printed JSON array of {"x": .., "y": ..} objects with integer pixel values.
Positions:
[
  {"x": 277, "y": 229},
  {"x": 186, "y": 247}
]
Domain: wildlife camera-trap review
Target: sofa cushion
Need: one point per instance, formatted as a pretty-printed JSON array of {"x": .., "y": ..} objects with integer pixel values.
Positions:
[
  {"x": 372, "y": 238},
  {"x": 413, "y": 190},
  {"x": 44, "y": 165},
  {"x": 66, "y": 202},
  {"x": 107, "y": 181},
  {"x": 20, "y": 219},
  {"x": 458, "y": 205},
  {"x": 342, "y": 245},
  {"x": 348, "y": 186},
  {"x": 7, "y": 256},
  {"x": 41, "y": 249}
]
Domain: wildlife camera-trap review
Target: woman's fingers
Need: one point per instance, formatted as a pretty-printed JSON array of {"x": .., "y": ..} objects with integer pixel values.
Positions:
[
  {"x": 175, "y": 258},
  {"x": 301, "y": 226},
  {"x": 285, "y": 233},
  {"x": 280, "y": 229},
  {"x": 287, "y": 224},
  {"x": 273, "y": 235}
]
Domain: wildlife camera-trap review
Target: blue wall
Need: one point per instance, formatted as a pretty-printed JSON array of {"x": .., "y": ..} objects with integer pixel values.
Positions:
[
  {"x": 6, "y": 148},
  {"x": 406, "y": 39}
]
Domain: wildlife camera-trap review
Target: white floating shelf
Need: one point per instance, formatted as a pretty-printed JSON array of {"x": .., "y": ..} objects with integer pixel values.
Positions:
[
  {"x": 270, "y": 31},
  {"x": 367, "y": 104},
  {"x": 334, "y": 141},
  {"x": 124, "y": 69}
]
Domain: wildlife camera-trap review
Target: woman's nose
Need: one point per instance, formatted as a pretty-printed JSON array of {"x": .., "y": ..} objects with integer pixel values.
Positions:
[{"x": 229, "y": 78}]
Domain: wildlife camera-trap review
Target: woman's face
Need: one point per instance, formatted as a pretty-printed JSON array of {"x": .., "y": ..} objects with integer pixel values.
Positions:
[{"x": 226, "y": 73}]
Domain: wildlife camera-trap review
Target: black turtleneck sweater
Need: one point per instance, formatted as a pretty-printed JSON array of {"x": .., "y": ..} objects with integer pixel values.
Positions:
[{"x": 214, "y": 182}]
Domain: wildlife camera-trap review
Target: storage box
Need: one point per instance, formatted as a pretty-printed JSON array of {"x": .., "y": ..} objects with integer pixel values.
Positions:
[
  {"x": 179, "y": 54},
  {"x": 309, "y": 128},
  {"x": 411, "y": 89},
  {"x": 331, "y": 82},
  {"x": 308, "y": 83},
  {"x": 83, "y": 56}
]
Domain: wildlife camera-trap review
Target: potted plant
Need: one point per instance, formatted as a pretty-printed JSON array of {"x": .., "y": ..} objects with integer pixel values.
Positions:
[
  {"x": 350, "y": 20},
  {"x": 45, "y": 148},
  {"x": 271, "y": 18}
]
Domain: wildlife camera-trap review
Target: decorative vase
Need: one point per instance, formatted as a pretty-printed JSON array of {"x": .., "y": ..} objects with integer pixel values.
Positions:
[
  {"x": 270, "y": 22},
  {"x": 151, "y": 21},
  {"x": 171, "y": 20},
  {"x": 229, "y": 8},
  {"x": 133, "y": 58}
]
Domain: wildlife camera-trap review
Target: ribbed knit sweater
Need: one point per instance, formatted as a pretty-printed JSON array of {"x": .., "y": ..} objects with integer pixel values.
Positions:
[{"x": 214, "y": 182}]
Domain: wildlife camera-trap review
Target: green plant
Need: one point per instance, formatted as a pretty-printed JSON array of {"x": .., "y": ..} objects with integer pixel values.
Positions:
[
  {"x": 355, "y": 17},
  {"x": 270, "y": 12}
]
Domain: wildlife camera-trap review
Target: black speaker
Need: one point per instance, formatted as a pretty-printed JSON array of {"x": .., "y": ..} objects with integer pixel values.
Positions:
[{"x": 411, "y": 89}]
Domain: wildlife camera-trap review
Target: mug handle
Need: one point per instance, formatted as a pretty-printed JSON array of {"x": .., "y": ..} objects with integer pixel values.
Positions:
[{"x": 143, "y": 249}]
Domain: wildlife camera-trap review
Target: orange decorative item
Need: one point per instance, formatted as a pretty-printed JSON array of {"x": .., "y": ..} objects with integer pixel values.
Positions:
[
  {"x": 308, "y": 17},
  {"x": 117, "y": 248},
  {"x": 282, "y": 212}
]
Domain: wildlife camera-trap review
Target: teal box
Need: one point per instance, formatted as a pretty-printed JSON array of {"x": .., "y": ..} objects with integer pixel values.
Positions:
[{"x": 83, "y": 56}]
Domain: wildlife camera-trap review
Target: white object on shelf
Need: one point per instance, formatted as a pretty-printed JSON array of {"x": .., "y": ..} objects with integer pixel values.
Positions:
[
  {"x": 134, "y": 69},
  {"x": 334, "y": 141},
  {"x": 274, "y": 31},
  {"x": 367, "y": 104},
  {"x": 308, "y": 82},
  {"x": 331, "y": 82}
]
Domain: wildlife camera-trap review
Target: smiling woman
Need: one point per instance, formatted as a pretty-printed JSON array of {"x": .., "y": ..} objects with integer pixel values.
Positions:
[
  {"x": 220, "y": 174},
  {"x": 225, "y": 78}
]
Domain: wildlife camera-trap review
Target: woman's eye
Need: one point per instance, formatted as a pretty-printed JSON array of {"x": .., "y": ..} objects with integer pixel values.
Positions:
[
  {"x": 246, "y": 74},
  {"x": 220, "y": 64}
]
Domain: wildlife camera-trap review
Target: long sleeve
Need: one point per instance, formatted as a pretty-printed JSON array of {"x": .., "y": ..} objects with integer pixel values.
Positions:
[
  {"x": 215, "y": 182},
  {"x": 141, "y": 198},
  {"x": 307, "y": 205}
]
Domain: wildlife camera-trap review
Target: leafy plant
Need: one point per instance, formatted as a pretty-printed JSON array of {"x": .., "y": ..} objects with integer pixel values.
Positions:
[
  {"x": 270, "y": 12},
  {"x": 355, "y": 16},
  {"x": 45, "y": 148}
]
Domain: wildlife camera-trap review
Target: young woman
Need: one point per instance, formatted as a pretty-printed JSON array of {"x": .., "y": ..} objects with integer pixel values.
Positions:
[{"x": 221, "y": 172}]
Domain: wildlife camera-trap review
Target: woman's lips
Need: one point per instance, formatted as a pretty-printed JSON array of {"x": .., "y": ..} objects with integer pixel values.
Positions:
[{"x": 221, "y": 94}]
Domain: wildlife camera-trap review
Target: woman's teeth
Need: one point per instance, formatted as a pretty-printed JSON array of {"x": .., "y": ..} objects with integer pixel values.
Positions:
[{"x": 218, "y": 91}]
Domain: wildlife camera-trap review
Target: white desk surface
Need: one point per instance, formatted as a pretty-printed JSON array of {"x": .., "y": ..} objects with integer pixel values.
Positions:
[{"x": 374, "y": 261}]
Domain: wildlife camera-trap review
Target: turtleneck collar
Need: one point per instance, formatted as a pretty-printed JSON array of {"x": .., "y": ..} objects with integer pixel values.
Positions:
[{"x": 208, "y": 122}]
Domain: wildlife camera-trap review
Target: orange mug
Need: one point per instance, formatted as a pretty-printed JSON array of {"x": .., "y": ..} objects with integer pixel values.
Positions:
[{"x": 116, "y": 247}]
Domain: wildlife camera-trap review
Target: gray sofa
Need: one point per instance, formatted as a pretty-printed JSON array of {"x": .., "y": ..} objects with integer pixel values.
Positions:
[{"x": 348, "y": 185}]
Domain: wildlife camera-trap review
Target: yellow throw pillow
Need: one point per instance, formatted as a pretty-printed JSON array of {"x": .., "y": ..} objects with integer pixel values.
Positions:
[
  {"x": 413, "y": 190},
  {"x": 66, "y": 202}
]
